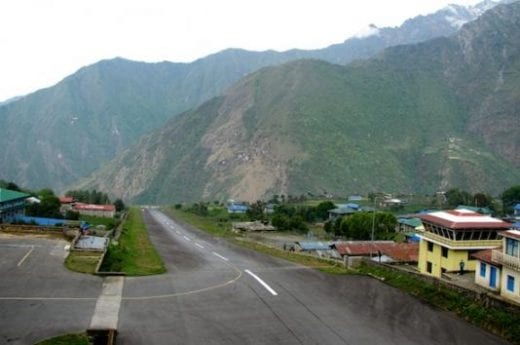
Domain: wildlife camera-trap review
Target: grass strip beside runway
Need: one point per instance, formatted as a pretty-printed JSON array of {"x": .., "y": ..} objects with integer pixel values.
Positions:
[{"x": 134, "y": 254}]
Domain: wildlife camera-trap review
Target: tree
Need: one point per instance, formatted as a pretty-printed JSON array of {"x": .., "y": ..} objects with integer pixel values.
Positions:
[
  {"x": 323, "y": 208},
  {"x": 119, "y": 205},
  {"x": 256, "y": 211},
  {"x": 510, "y": 197},
  {"x": 48, "y": 207},
  {"x": 482, "y": 200},
  {"x": 359, "y": 225},
  {"x": 456, "y": 197}
]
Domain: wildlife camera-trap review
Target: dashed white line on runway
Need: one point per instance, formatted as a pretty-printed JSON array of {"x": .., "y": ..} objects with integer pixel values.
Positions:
[
  {"x": 187, "y": 238},
  {"x": 264, "y": 284},
  {"x": 199, "y": 245},
  {"x": 220, "y": 256}
]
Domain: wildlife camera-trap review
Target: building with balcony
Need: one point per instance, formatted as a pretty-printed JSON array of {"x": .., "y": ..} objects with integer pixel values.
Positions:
[
  {"x": 12, "y": 204},
  {"x": 451, "y": 237},
  {"x": 508, "y": 257}
]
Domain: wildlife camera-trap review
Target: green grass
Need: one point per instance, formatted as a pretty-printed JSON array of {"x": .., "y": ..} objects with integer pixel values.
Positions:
[
  {"x": 109, "y": 223},
  {"x": 500, "y": 321},
  {"x": 67, "y": 339},
  {"x": 218, "y": 224},
  {"x": 134, "y": 254},
  {"x": 83, "y": 262}
]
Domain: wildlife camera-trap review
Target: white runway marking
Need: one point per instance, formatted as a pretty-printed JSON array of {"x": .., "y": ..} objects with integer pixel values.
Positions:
[
  {"x": 178, "y": 232},
  {"x": 220, "y": 256},
  {"x": 26, "y": 256},
  {"x": 187, "y": 238},
  {"x": 264, "y": 284},
  {"x": 200, "y": 246}
]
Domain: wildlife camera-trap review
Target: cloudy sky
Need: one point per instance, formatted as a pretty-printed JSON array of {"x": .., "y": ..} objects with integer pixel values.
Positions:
[{"x": 43, "y": 41}]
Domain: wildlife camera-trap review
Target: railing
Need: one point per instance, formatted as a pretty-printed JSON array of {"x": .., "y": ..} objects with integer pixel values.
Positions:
[
  {"x": 459, "y": 243},
  {"x": 505, "y": 259}
]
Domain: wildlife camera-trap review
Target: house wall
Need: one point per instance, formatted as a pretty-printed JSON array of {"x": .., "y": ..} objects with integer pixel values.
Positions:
[
  {"x": 504, "y": 291},
  {"x": 97, "y": 213},
  {"x": 486, "y": 279},
  {"x": 9, "y": 210},
  {"x": 440, "y": 263}
]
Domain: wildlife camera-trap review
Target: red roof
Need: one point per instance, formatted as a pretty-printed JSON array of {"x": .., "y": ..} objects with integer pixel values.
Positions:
[
  {"x": 485, "y": 256},
  {"x": 464, "y": 219},
  {"x": 401, "y": 252},
  {"x": 66, "y": 199},
  {"x": 92, "y": 207}
]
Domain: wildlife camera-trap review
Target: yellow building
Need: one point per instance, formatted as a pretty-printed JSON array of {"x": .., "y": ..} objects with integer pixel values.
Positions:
[{"x": 451, "y": 237}]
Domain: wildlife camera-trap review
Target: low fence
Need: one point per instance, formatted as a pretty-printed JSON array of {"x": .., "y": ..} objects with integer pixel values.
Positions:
[{"x": 32, "y": 228}]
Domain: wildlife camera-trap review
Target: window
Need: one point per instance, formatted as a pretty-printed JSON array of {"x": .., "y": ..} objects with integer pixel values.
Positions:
[
  {"x": 430, "y": 246},
  {"x": 510, "y": 283},
  {"x": 445, "y": 252},
  {"x": 482, "y": 269},
  {"x": 428, "y": 267},
  {"x": 511, "y": 247}
]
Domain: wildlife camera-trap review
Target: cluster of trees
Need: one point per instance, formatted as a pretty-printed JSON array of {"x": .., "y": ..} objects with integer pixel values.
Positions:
[
  {"x": 89, "y": 196},
  {"x": 287, "y": 217},
  {"x": 359, "y": 226},
  {"x": 509, "y": 198}
]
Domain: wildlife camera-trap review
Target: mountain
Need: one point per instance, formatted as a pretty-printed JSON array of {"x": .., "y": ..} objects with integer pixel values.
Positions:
[
  {"x": 418, "y": 118},
  {"x": 57, "y": 135}
]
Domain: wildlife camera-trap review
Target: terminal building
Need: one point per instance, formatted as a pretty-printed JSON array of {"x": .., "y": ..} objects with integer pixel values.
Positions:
[{"x": 450, "y": 239}]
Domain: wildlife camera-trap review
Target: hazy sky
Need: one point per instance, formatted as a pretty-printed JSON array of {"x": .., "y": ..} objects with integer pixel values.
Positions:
[{"x": 43, "y": 41}]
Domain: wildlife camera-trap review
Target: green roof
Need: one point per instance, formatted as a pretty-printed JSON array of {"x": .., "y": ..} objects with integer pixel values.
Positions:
[{"x": 8, "y": 195}]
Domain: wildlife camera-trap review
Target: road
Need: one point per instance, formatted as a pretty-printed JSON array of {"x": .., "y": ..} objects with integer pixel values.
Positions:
[{"x": 217, "y": 293}]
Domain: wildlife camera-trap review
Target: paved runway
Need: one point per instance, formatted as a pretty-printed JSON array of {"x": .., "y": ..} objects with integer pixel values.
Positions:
[
  {"x": 213, "y": 293},
  {"x": 39, "y": 297},
  {"x": 217, "y": 293}
]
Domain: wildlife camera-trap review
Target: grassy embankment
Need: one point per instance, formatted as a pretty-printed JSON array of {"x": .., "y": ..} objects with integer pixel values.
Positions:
[
  {"x": 68, "y": 339},
  {"x": 500, "y": 321},
  {"x": 134, "y": 254}
]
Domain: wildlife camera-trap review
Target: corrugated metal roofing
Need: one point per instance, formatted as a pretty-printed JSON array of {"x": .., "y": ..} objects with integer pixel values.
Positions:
[
  {"x": 399, "y": 252},
  {"x": 413, "y": 222},
  {"x": 8, "y": 195},
  {"x": 313, "y": 245},
  {"x": 92, "y": 242}
]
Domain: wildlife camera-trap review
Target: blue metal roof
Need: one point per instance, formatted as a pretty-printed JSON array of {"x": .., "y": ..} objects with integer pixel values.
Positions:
[{"x": 517, "y": 207}]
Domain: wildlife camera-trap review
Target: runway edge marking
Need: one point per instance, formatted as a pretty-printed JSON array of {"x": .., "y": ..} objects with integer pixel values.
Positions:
[{"x": 264, "y": 284}]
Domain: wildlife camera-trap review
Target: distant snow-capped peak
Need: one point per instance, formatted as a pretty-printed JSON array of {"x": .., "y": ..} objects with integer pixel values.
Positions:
[{"x": 370, "y": 30}]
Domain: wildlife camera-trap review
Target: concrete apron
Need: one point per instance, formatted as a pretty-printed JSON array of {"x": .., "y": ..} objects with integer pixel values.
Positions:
[{"x": 106, "y": 313}]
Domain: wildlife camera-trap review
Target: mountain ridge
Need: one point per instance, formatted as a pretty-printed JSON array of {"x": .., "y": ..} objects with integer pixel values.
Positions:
[{"x": 405, "y": 121}]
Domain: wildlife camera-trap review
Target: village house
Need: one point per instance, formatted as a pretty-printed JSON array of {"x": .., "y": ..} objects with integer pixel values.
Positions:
[
  {"x": 106, "y": 211},
  {"x": 12, "y": 204},
  {"x": 499, "y": 269},
  {"x": 352, "y": 252},
  {"x": 451, "y": 237}
]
